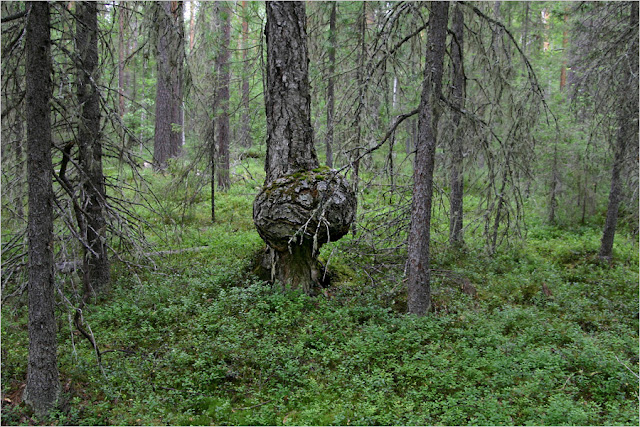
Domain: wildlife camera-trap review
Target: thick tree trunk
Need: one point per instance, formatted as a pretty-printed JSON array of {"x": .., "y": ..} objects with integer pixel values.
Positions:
[
  {"x": 627, "y": 130},
  {"x": 169, "y": 57},
  {"x": 93, "y": 198},
  {"x": 301, "y": 206},
  {"x": 222, "y": 96},
  {"x": 456, "y": 180},
  {"x": 330, "y": 84},
  {"x": 418, "y": 274},
  {"x": 290, "y": 146},
  {"x": 43, "y": 385}
]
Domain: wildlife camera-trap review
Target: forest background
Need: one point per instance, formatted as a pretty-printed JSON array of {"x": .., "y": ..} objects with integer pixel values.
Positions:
[{"x": 534, "y": 319}]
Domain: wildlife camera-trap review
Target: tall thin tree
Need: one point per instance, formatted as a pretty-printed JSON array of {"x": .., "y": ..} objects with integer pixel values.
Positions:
[
  {"x": 43, "y": 385},
  {"x": 357, "y": 123},
  {"x": 627, "y": 122},
  {"x": 245, "y": 126},
  {"x": 223, "y": 15},
  {"x": 418, "y": 274},
  {"x": 170, "y": 57},
  {"x": 330, "y": 84},
  {"x": 93, "y": 195},
  {"x": 456, "y": 178}
]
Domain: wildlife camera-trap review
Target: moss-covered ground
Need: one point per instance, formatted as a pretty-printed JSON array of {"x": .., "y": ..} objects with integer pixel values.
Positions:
[{"x": 550, "y": 337}]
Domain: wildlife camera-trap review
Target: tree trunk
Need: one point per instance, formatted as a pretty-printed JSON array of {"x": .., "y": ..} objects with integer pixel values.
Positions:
[
  {"x": 245, "y": 127},
  {"x": 360, "y": 108},
  {"x": 43, "y": 385},
  {"x": 553, "y": 200},
  {"x": 525, "y": 34},
  {"x": 627, "y": 130},
  {"x": 121, "y": 54},
  {"x": 177, "y": 61},
  {"x": 330, "y": 84},
  {"x": 565, "y": 42},
  {"x": 192, "y": 26},
  {"x": 93, "y": 198},
  {"x": 290, "y": 146},
  {"x": 456, "y": 179},
  {"x": 169, "y": 55},
  {"x": 222, "y": 97},
  {"x": 418, "y": 274},
  {"x": 212, "y": 164},
  {"x": 300, "y": 206}
]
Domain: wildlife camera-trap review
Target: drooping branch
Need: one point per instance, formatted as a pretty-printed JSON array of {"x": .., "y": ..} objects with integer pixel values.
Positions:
[
  {"x": 14, "y": 16},
  {"x": 533, "y": 79},
  {"x": 396, "y": 122}
]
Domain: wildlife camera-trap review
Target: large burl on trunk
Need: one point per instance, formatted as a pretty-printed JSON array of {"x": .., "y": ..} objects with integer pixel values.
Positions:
[
  {"x": 298, "y": 213},
  {"x": 301, "y": 205}
]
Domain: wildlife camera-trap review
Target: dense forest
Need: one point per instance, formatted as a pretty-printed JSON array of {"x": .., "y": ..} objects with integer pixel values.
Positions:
[{"x": 320, "y": 213}]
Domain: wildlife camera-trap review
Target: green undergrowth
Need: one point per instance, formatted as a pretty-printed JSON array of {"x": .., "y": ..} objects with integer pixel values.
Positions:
[{"x": 198, "y": 340}]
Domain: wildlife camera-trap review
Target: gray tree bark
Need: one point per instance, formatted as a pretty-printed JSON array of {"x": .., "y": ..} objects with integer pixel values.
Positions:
[
  {"x": 418, "y": 274},
  {"x": 93, "y": 198},
  {"x": 288, "y": 103},
  {"x": 43, "y": 385},
  {"x": 456, "y": 178},
  {"x": 301, "y": 206}
]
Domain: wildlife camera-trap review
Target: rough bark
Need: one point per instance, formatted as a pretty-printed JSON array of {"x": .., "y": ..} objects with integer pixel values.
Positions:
[
  {"x": 288, "y": 103},
  {"x": 456, "y": 178},
  {"x": 93, "y": 197},
  {"x": 169, "y": 57},
  {"x": 222, "y": 95},
  {"x": 296, "y": 214},
  {"x": 418, "y": 275},
  {"x": 627, "y": 131},
  {"x": 301, "y": 206},
  {"x": 330, "y": 85},
  {"x": 43, "y": 385}
]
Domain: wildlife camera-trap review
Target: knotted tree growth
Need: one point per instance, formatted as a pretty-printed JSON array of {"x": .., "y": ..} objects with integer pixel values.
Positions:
[{"x": 301, "y": 205}]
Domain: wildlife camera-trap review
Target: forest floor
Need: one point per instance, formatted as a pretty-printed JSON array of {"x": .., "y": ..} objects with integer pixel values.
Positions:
[{"x": 540, "y": 333}]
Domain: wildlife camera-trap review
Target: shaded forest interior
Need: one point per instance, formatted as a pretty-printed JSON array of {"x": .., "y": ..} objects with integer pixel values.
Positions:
[{"x": 320, "y": 213}]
